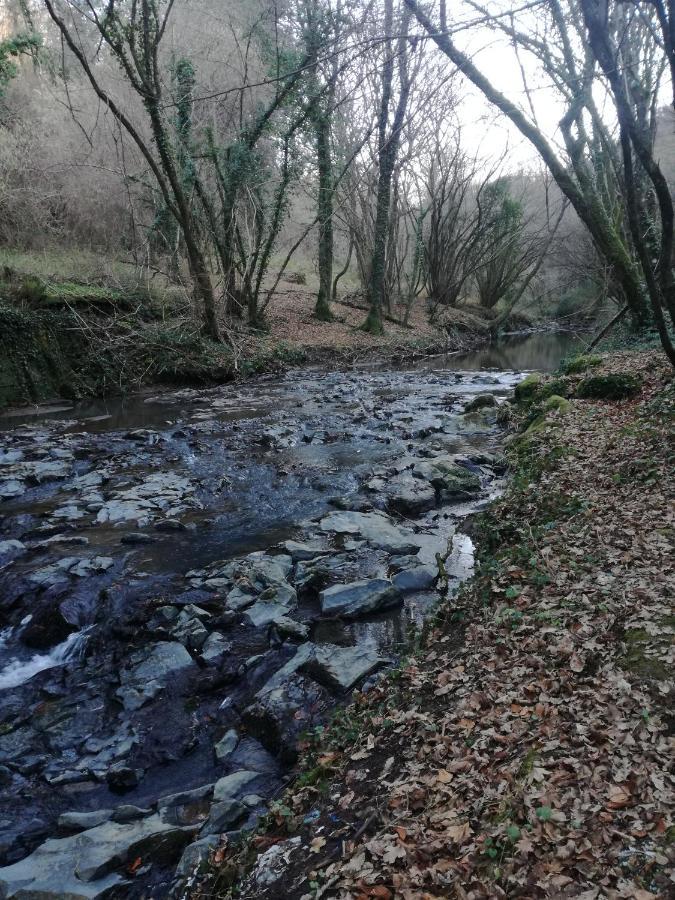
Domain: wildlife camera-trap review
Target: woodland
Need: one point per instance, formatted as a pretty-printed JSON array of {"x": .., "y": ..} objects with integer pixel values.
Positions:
[{"x": 336, "y": 449}]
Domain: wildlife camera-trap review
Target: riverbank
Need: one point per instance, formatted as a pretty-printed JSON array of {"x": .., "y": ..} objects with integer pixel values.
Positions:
[
  {"x": 69, "y": 340},
  {"x": 525, "y": 749}
]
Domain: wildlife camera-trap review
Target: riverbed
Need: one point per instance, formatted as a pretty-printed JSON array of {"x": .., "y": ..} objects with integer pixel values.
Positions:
[{"x": 191, "y": 580}]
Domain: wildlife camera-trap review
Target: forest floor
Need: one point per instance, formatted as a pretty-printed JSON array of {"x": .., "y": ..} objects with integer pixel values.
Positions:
[{"x": 525, "y": 749}]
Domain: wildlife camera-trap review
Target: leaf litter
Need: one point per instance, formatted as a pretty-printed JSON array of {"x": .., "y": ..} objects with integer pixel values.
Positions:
[{"x": 526, "y": 749}]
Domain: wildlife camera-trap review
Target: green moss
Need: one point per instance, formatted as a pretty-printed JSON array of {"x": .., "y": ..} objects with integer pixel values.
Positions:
[
  {"x": 555, "y": 403},
  {"x": 528, "y": 388},
  {"x": 617, "y": 386},
  {"x": 580, "y": 364}
]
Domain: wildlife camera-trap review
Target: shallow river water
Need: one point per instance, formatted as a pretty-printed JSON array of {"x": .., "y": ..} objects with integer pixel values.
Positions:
[{"x": 191, "y": 579}]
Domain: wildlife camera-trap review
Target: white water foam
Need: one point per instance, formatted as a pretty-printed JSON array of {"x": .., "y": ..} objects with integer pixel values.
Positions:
[{"x": 19, "y": 671}]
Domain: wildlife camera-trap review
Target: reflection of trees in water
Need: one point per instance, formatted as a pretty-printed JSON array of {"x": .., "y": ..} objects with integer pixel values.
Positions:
[{"x": 533, "y": 351}]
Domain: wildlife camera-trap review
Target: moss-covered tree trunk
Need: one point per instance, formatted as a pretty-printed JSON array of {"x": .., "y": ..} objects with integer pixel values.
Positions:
[{"x": 325, "y": 215}]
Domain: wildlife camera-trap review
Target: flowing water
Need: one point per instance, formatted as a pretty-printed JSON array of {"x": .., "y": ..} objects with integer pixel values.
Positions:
[{"x": 119, "y": 519}]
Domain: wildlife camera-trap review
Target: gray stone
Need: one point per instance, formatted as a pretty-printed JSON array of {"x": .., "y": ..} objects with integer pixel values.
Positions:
[
  {"x": 419, "y": 578},
  {"x": 196, "y": 856},
  {"x": 231, "y": 786},
  {"x": 191, "y": 632},
  {"x": 83, "y": 866},
  {"x": 10, "y": 550},
  {"x": 127, "y": 812},
  {"x": 185, "y": 798},
  {"x": 482, "y": 401},
  {"x": 226, "y": 745},
  {"x": 298, "y": 551},
  {"x": 80, "y": 821},
  {"x": 286, "y": 626},
  {"x": 224, "y": 816},
  {"x": 274, "y": 603},
  {"x": 340, "y": 668},
  {"x": 359, "y": 598},
  {"x": 404, "y": 494},
  {"x": 215, "y": 649},
  {"x": 374, "y": 527},
  {"x": 166, "y": 661},
  {"x": 137, "y": 537}
]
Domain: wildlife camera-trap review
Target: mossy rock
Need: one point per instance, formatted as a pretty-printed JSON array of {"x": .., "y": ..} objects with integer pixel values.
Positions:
[
  {"x": 617, "y": 386},
  {"x": 482, "y": 401},
  {"x": 556, "y": 403},
  {"x": 580, "y": 364},
  {"x": 527, "y": 390}
]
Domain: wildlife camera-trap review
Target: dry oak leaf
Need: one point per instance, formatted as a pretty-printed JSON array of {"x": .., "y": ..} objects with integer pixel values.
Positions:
[
  {"x": 316, "y": 844},
  {"x": 458, "y": 833},
  {"x": 618, "y": 796}
]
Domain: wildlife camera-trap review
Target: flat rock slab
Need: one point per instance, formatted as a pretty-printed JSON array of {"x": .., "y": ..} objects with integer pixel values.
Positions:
[
  {"x": 359, "y": 598},
  {"x": 404, "y": 494},
  {"x": 163, "y": 663},
  {"x": 340, "y": 668},
  {"x": 84, "y": 865},
  {"x": 374, "y": 527}
]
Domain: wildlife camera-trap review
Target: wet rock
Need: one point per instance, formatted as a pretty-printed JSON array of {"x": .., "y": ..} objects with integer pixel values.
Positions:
[
  {"x": 404, "y": 494},
  {"x": 215, "y": 649},
  {"x": 340, "y": 668},
  {"x": 482, "y": 401},
  {"x": 453, "y": 482},
  {"x": 190, "y": 631},
  {"x": 47, "y": 628},
  {"x": 86, "y": 865},
  {"x": 196, "y": 856},
  {"x": 81, "y": 821},
  {"x": 122, "y": 778},
  {"x": 359, "y": 598},
  {"x": 170, "y": 525},
  {"x": 129, "y": 813},
  {"x": 298, "y": 551},
  {"x": 152, "y": 671},
  {"x": 232, "y": 786},
  {"x": 224, "y": 816},
  {"x": 11, "y": 488},
  {"x": 137, "y": 537},
  {"x": 226, "y": 746},
  {"x": 11, "y": 550},
  {"x": 287, "y": 627},
  {"x": 374, "y": 527},
  {"x": 280, "y": 714},
  {"x": 419, "y": 578},
  {"x": 274, "y": 603}
]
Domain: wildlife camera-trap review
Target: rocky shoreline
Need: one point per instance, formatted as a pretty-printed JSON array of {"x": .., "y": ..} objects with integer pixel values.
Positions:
[{"x": 149, "y": 706}]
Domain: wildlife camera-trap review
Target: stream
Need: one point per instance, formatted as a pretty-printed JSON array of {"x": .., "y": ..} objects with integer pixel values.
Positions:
[{"x": 190, "y": 580}]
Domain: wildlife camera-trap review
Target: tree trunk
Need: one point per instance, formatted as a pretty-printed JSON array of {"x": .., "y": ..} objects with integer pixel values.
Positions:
[{"x": 325, "y": 211}]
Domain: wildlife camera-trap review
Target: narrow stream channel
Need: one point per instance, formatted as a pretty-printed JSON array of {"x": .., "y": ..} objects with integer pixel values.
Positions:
[{"x": 191, "y": 579}]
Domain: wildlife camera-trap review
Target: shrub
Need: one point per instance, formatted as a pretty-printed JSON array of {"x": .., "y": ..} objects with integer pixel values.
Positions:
[{"x": 608, "y": 387}]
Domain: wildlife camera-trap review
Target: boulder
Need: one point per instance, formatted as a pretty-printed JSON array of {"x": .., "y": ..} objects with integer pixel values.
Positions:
[
  {"x": 46, "y": 628},
  {"x": 274, "y": 603},
  {"x": 152, "y": 671},
  {"x": 359, "y": 598},
  {"x": 374, "y": 527},
  {"x": 340, "y": 668},
  {"x": 196, "y": 856},
  {"x": 214, "y": 649},
  {"x": 482, "y": 401},
  {"x": 298, "y": 551},
  {"x": 226, "y": 746},
  {"x": 404, "y": 494},
  {"x": 10, "y": 550},
  {"x": 452, "y": 482},
  {"x": 418, "y": 578},
  {"x": 87, "y": 865},
  {"x": 80, "y": 821}
]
